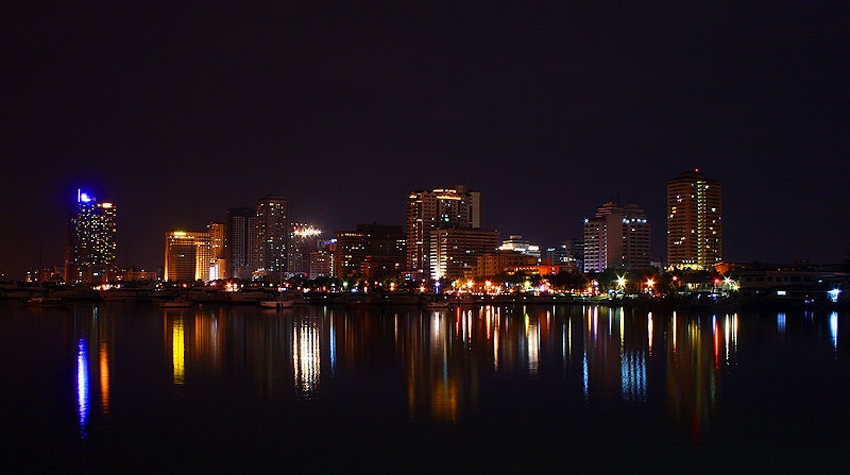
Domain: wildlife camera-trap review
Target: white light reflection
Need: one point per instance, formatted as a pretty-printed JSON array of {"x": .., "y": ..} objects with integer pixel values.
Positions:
[
  {"x": 306, "y": 358},
  {"x": 731, "y": 335},
  {"x": 780, "y": 322},
  {"x": 333, "y": 346},
  {"x": 584, "y": 375},
  {"x": 533, "y": 336},
  {"x": 82, "y": 385},
  {"x": 564, "y": 344},
  {"x": 468, "y": 317},
  {"x": 649, "y": 331},
  {"x": 833, "y": 329},
  {"x": 622, "y": 320},
  {"x": 633, "y": 376}
]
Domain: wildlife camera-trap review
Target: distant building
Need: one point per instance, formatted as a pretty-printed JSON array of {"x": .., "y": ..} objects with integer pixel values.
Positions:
[
  {"x": 373, "y": 251},
  {"x": 617, "y": 237},
  {"x": 188, "y": 256},
  {"x": 442, "y": 208},
  {"x": 303, "y": 240},
  {"x": 320, "y": 264},
  {"x": 322, "y": 260},
  {"x": 218, "y": 263},
  {"x": 91, "y": 244},
  {"x": 453, "y": 252},
  {"x": 792, "y": 285},
  {"x": 694, "y": 221},
  {"x": 491, "y": 264},
  {"x": 240, "y": 243},
  {"x": 272, "y": 231},
  {"x": 569, "y": 253},
  {"x": 518, "y": 244},
  {"x": 351, "y": 250}
]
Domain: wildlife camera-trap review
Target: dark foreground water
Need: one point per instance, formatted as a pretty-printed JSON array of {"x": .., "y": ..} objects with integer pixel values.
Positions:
[{"x": 136, "y": 388}]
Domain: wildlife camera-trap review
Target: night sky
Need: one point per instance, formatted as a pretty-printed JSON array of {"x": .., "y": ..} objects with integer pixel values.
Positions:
[{"x": 178, "y": 111}]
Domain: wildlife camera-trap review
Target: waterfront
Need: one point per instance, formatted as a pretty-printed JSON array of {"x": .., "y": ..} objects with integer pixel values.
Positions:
[{"x": 135, "y": 387}]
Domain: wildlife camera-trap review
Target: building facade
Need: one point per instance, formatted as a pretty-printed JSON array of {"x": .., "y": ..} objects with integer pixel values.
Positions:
[
  {"x": 373, "y": 251},
  {"x": 454, "y": 252},
  {"x": 188, "y": 256},
  {"x": 518, "y": 244},
  {"x": 303, "y": 240},
  {"x": 217, "y": 233},
  {"x": 442, "y": 208},
  {"x": 240, "y": 243},
  {"x": 492, "y": 264},
  {"x": 569, "y": 252},
  {"x": 618, "y": 237},
  {"x": 272, "y": 231},
  {"x": 91, "y": 243},
  {"x": 694, "y": 221}
]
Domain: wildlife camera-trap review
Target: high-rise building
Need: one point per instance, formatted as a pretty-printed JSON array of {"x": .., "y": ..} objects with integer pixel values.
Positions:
[
  {"x": 240, "y": 243},
  {"x": 349, "y": 252},
  {"x": 217, "y": 233},
  {"x": 694, "y": 221},
  {"x": 372, "y": 251},
  {"x": 443, "y": 208},
  {"x": 454, "y": 251},
  {"x": 617, "y": 237},
  {"x": 569, "y": 252},
  {"x": 303, "y": 240},
  {"x": 272, "y": 231},
  {"x": 188, "y": 256},
  {"x": 321, "y": 262},
  {"x": 91, "y": 239}
]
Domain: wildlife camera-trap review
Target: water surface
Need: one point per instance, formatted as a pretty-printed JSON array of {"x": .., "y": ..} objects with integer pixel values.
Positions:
[{"x": 137, "y": 388}]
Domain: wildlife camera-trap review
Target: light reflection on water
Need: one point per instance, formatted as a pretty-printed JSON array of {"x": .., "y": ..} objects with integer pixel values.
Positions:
[
  {"x": 440, "y": 367},
  {"x": 82, "y": 385}
]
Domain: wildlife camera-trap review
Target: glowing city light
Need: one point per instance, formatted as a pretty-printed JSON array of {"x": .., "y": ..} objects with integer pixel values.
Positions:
[
  {"x": 83, "y": 197},
  {"x": 621, "y": 281}
]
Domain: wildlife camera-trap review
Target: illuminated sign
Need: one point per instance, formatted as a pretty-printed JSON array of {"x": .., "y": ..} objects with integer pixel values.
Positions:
[{"x": 83, "y": 197}]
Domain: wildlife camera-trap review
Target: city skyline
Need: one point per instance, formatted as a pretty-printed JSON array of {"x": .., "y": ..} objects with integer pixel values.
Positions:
[
  {"x": 249, "y": 216},
  {"x": 179, "y": 113}
]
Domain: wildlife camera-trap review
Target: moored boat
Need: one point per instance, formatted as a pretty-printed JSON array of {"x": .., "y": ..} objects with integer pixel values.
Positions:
[
  {"x": 43, "y": 301},
  {"x": 177, "y": 303},
  {"x": 277, "y": 303}
]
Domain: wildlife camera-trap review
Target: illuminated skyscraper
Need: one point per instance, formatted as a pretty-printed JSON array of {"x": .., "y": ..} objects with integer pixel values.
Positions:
[
  {"x": 91, "y": 239},
  {"x": 272, "y": 230},
  {"x": 444, "y": 208},
  {"x": 454, "y": 251},
  {"x": 617, "y": 237},
  {"x": 694, "y": 221},
  {"x": 188, "y": 256},
  {"x": 218, "y": 263}
]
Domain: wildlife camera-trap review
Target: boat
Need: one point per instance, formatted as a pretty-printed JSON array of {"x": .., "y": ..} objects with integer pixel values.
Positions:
[
  {"x": 277, "y": 303},
  {"x": 42, "y": 301},
  {"x": 248, "y": 296},
  {"x": 435, "y": 301},
  {"x": 177, "y": 303}
]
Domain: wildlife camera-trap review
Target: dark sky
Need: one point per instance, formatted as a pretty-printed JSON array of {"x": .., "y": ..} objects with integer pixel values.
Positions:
[{"x": 179, "y": 111}]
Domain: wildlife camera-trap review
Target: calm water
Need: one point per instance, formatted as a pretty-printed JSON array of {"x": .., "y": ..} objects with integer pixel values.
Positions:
[{"x": 133, "y": 387}]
